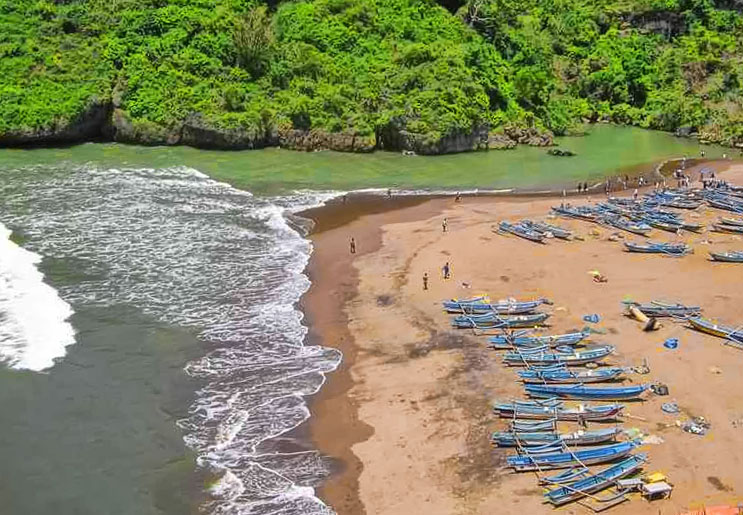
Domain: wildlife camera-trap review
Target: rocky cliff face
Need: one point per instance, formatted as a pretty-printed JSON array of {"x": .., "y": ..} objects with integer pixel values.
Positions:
[{"x": 88, "y": 126}]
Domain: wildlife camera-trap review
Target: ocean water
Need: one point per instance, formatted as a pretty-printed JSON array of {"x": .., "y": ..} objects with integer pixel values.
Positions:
[{"x": 184, "y": 289}]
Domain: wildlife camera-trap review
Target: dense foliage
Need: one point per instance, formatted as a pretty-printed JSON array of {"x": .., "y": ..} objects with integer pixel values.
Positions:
[{"x": 371, "y": 67}]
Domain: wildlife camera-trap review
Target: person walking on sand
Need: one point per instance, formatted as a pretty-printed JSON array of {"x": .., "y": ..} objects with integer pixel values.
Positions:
[
  {"x": 634, "y": 195},
  {"x": 425, "y": 280},
  {"x": 353, "y": 246},
  {"x": 447, "y": 270},
  {"x": 444, "y": 225},
  {"x": 457, "y": 197}
]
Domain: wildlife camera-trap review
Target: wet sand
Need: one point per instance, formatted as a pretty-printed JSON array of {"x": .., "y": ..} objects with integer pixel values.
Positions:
[{"x": 408, "y": 413}]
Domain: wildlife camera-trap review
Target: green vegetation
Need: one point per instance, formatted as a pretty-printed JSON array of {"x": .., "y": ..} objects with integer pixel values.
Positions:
[{"x": 395, "y": 73}]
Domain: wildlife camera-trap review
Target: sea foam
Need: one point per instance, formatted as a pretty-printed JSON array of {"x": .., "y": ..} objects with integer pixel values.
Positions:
[{"x": 34, "y": 330}]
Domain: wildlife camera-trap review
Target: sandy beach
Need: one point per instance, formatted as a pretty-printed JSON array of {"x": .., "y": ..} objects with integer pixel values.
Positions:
[{"x": 408, "y": 414}]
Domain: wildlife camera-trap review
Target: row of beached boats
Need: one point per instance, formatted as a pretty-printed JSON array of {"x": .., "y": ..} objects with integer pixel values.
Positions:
[{"x": 553, "y": 370}]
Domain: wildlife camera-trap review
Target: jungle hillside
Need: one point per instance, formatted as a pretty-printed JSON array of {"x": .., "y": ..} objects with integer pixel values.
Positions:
[{"x": 358, "y": 75}]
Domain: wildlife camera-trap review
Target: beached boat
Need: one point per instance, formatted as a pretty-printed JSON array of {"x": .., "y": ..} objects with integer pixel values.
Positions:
[
  {"x": 592, "y": 456},
  {"x": 672, "y": 249},
  {"x": 597, "y": 482},
  {"x": 639, "y": 228},
  {"x": 661, "y": 309},
  {"x": 535, "y": 410},
  {"x": 483, "y": 305},
  {"x": 579, "y": 357},
  {"x": 545, "y": 228},
  {"x": 581, "y": 392},
  {"x": 727, "y": 257},
  {"x": 580, "y": 212},
  {"x": 494, "y": 321},
  {"x": 506, "y": 341},
  {"x": 571, "y": 376},
  {"x": 734, "y": 334},
  {"x": 538, "y": 438},
  {"x": 734, "y": 229},
  {"x": 732, "y": 221},
  {"x": 521, "y": 231},
  {"x": 682, "y": 203},
  {"x": 726, "y": 205}
]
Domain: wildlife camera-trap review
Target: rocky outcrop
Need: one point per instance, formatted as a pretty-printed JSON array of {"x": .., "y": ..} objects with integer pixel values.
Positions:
[
  {"x": 142, "y": 132},
  {"x": 85, "y": 127},
  {"x": 531, "y": 136},
  {"x": 499, "y": 141},
  {"x": 321, "y": 140},
  {"x": 395, "y": 139},
  {"x": 196, "y": 132}
]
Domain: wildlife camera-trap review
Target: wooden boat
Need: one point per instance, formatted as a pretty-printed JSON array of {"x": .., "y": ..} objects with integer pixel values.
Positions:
[
  {"x": 704, "y": 325},
  {"x": 581, "y": 213},
  {"x": 494, "y": 321},
  {"x": 579, "y": 357},
  {"x": 732, "y": 221},
  {"x": 483, "y": 305},
  {"x": 727, "y": 257},
  {"x": 521, "y": 231},
  {"x": 545, "y": 228},
  {"x": 725, "y": 204},
  {"x": 526, "y": 439},
  {"x": 581, "y": 392},
  {"x": 584, "y": 457},
  {"x": 571, "y": 376},
  {"x": 597, "y": 482},
  {"x": 660, "y": 309},
  {"x": 525, "y": 410},
  {"x": 664, "y": 225},
  {"x": 506, "y": 341},
  {"x": 624, "y": 224},
  {"x": 734, "y": 229},
  {"x": 673, "y": 249},
  {"x": 682, "y": 204}
]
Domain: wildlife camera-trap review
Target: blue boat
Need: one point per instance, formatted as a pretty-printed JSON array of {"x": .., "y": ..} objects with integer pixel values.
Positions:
[
  {"x": 673, "y": 249},
  {"x": 534, "y": 410},
  {"x": 624, "y": 224},
  {"x": 571, "y": 376},
  {"x": 580, "y": 212},
  {"x": 538, "y": 438},
  {"x": 494, "y": 321},
  {"x": 590, "y": 456},
  {"x": 578, "y": 357},
  {"x": 521, "y": 231},
  {"x": 507, "y": 341},
  {"x": 597, "y": 482},
  {"x": 727, "y": 257},
  {"x": 580, "y": 392},
  {"x": 483, "y": 305},
  {"x": 545, "y": 228},
  {"x": 733, "y": 229},
  {"x": 662, "y": 309}
]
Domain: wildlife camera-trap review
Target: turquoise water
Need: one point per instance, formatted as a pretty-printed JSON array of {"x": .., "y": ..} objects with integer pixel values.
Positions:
[{"x": 605, "y": 150}]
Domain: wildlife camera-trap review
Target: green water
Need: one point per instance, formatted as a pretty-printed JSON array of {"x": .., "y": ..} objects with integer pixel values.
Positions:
[{"x": 604, "y": 151}]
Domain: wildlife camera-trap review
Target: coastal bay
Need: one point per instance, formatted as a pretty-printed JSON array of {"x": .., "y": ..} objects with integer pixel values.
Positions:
[{"x": 420, "y": 394}]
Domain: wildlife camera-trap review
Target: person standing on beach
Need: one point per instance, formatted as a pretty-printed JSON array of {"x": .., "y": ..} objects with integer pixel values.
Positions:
[
  {"x": 353, "y": 246},
  {"x": 634, "y": 195},
  {"x": 425, "y": 280},
  {"x": 444, "y": 225},
  {"x": 457, "y": 197},
  {"x": 446, "y": 270}
]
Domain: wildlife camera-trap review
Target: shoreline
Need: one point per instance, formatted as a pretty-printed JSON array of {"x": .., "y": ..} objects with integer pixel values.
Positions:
[{"x": 335, "y": 426}]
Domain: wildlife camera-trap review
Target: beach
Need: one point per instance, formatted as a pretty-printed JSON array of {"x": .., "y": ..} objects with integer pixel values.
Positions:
[{"x": 408, "y": 413}]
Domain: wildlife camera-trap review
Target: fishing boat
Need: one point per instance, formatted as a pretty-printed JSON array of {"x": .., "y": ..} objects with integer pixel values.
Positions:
[
  {"x": 581, "y": 392},
  {"x": 664, "y": 225},
  {"x": 682, "y": 204},
  {"x": 734, "y": 229},
  {"x": 507, "y": 341},
  {"x": 571, "y": 376},
  {"x": 639, "y": 228},
  {"x": 494, "y": 321},
  {"x": 592, "y": 456},
  {"x": 521, "y": 231},
  {"x": 579, "y": 357},
  {"x": 597, "y": 482},
  {"x": 581, "y": 213},
  {"x": 660, "y": 309},
  {"x": 704, "y": 325},
  {"x": 545, "y": 228},
  {"x": 725, "y": 204},
  {"x": 483, "y": 305},
  {"x": 727, "y": 257},
  {"x": 535, "y": 410},
  {"x": 673, "y": 249},
  {"x": 732, "y": 221},
  {"x": 538, "y": 438}
]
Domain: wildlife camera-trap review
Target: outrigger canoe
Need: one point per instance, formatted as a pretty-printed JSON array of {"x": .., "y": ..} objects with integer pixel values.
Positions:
[
  {"x": 539, "y": 438},
  {"x": 590, "y": 456},
  {"x": 597, "y": 482},
  {"x": 661, "y": 309},
  {"x": 727, "y": 257},
  {"x": 508, "y": 341},
  {"x": 483, "y": 305},
  {"x": 521, "y": 231},
  {"x": 581, "y": 392},
  {"x": 579, "y": 357},
  {"x": 494, "y": 321},
  {"x": 733, "y": 334},
  {"x": 536, "y": 410},
  {"x": 571, "y": 376}
]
